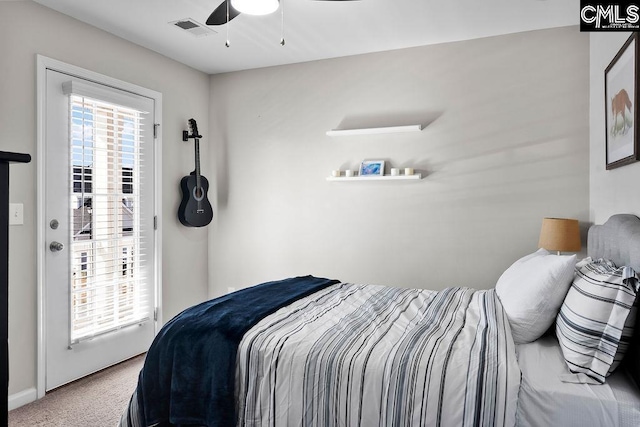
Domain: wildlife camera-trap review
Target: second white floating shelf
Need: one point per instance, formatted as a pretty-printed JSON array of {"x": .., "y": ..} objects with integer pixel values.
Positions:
[
  {"x": 372, "y": 131},
  {"x": 415, "y": 176}
]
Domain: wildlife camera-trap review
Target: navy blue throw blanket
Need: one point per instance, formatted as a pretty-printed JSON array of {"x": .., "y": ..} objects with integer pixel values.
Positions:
[{"x": 189, "y": 371}]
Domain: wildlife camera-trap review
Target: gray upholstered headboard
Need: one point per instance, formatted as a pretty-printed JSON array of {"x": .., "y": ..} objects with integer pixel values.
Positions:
[{"x": 618, "y": 240}]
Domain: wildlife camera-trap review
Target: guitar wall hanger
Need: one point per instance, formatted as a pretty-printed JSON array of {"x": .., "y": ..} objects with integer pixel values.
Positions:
[
  {"x": 195, "y": 209},
  {"x": 186, "y": 136}
]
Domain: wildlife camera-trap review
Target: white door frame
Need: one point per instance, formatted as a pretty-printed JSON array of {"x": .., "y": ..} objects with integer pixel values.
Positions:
[{"x": 44, "y": 63}]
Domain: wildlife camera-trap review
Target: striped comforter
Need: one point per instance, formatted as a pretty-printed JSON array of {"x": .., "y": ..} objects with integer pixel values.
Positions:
[{"x": 364, "y": 355}]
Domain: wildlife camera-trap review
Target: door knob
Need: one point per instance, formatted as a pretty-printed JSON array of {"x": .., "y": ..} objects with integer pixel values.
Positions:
[{"x": 56, "y": 246}]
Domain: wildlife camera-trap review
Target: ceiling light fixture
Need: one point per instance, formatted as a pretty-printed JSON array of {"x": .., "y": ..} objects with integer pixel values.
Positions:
[{"x": 255, "y": 7}]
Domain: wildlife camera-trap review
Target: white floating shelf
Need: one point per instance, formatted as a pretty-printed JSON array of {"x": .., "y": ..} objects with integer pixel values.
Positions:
[
  {"x": 373, "y": 131},
  {"x": 376, "y": 178}
]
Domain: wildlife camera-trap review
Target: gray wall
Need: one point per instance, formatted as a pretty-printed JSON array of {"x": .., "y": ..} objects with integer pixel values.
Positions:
[
  {"x": 505, "y": 144},
  {"x": 27, "y": 29},
  {"x": 616, "y": 190}
]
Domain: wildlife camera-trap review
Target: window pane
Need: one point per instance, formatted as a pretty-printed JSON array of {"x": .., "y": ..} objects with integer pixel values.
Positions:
[{"x": 107, "y": 289}]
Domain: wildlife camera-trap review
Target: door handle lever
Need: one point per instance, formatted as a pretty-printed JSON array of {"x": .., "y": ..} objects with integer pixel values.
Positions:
[{"x": 56, "y": 246}]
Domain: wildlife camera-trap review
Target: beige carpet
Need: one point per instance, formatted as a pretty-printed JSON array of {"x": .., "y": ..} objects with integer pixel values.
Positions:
[{"x": 95, "y": 401}]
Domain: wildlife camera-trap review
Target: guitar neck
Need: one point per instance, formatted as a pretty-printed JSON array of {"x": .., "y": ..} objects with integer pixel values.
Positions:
[{"x": 198, "y": 163}]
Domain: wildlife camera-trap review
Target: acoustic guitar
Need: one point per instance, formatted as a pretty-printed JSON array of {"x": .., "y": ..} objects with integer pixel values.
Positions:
[{"x": 195, "y": 209}]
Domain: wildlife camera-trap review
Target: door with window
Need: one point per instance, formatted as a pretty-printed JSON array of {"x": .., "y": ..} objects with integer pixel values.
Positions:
[{"x": 99, "y": 272}]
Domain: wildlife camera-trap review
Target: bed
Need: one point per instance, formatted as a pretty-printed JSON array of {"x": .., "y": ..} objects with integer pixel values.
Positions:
[{"x": 318, "y": 352}]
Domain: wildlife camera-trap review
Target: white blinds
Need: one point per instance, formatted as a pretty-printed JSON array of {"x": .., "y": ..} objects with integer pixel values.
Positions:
[{"x": 109, "y": 250}]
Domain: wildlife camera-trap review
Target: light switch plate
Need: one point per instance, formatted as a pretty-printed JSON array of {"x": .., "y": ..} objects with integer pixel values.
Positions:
[{"x": 16, "y": 214}]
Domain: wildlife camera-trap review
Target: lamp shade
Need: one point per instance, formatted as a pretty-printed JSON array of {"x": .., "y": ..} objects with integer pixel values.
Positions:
[
  {"x": 255, "y": 7},
  {"x": 560, "y": 234}
]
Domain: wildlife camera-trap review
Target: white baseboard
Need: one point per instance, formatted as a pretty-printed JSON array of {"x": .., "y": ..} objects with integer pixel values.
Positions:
[{"x": 22, "y": 398}]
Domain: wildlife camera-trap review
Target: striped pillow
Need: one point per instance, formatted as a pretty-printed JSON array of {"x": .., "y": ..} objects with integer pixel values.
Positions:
[{"x": 595, "y": 323}]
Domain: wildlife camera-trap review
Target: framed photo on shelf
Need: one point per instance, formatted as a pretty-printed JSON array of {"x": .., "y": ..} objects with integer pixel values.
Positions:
[
  {"x": 372, "y": 168},
  {"x": 621, "y": 112}
]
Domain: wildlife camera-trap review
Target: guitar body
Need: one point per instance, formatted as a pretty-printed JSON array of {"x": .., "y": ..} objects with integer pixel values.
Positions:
[{"x": 195, "y": 209}]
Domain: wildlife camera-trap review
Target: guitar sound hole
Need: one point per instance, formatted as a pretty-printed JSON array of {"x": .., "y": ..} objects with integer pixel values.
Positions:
[{"x": 198, "y": 194}]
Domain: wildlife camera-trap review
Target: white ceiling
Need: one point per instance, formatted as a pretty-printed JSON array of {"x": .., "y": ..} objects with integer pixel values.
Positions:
[{"x": 313, "y": 29}]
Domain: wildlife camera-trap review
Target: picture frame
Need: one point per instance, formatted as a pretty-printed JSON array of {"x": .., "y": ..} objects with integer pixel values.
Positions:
[
  {"x": 372, "y": 168},
  {"x": 622, "y": 142}
]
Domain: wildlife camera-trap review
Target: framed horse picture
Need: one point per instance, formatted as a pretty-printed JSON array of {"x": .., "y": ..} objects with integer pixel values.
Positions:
[{"x": 621, "y": 98}]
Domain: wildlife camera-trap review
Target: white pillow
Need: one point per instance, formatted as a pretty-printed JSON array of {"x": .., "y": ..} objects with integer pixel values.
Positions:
[{"x": 532, "y": 291}]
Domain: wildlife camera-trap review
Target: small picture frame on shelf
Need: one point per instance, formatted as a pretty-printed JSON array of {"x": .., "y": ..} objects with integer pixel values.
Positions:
[{"x": 372, "y": 168}]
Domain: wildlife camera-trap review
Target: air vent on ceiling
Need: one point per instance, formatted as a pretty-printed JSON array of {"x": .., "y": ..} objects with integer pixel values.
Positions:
[{"x": 193, "y": 27}]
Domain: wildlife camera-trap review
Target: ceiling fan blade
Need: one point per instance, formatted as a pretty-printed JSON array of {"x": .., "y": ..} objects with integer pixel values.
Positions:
[{"x": 219, "y": 15}]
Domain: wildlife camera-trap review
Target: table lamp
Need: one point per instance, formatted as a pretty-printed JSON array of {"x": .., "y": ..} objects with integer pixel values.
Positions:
[{"x": 560, "y": 235}]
